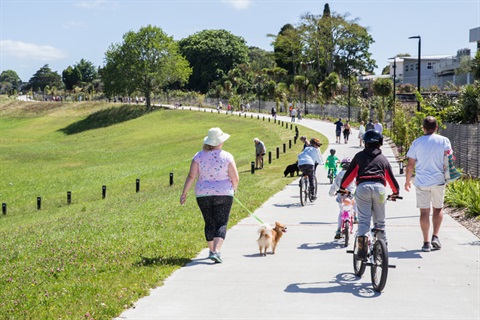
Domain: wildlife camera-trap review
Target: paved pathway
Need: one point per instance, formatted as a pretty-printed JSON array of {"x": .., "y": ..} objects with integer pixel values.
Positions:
[{"x": 311, "y": 275}]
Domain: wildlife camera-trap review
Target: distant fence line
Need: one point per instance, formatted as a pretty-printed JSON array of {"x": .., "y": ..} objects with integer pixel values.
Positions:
[{"x": 466, "y": 146}]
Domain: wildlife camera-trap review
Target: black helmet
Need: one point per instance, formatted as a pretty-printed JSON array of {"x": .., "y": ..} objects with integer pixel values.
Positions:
[
  {"x": 373, "y": 137},
  {"x": 332, "y": 151}
]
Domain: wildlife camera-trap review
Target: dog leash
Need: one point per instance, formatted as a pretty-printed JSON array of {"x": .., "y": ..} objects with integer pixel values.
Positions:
[{"x": 258, "y": 219}]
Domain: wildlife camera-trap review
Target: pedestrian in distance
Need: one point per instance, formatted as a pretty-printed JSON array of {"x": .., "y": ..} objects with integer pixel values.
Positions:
[
  {"x": 378, "y": 126},
  {"x": 338, "y": 129},
  {"x": 372, "y": 172},
  {"x": 370, "y": 125},
  {"x": 361, "y": 132},
  {"x": 426, "y": 156},
  {"x": 293, "y": 113},
  {"x": 346, "y": 131},
  {"x": 217, "y": 179},
  {"x": 260, "y": 151},
  {"x": 274, "y": 113}
]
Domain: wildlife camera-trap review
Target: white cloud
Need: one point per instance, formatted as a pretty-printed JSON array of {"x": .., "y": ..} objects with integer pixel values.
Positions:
[
  {"x": 74, "y": 24},
  {"x": 239, "y": 4},
  {"x": 33, "y": 51}
]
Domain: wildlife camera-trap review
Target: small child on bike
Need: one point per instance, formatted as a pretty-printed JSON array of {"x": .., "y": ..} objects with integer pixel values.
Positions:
[
  {"x": 332, "y": 162},
  {"x": 308, "y": 160},
  {"x": 343, "y": 199}
]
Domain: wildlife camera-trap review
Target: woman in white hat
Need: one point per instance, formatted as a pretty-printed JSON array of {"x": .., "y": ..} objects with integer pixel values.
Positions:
[{"x": 217, "y": 179}]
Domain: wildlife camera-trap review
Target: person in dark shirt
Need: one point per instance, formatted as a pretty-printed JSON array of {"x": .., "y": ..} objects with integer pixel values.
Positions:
[
  {"x": 338, "y": 129},
  {"x": 371, "y": 171}
]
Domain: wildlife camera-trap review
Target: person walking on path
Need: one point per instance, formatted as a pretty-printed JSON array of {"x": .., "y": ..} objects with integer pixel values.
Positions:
[
  {"x": 293, "y": 113},
  {"x": 217, "y": 179},
  {"x": 274, "y": 113},
  {"x": 346, "y": 131},
  {"x": 338, "y": 129},
  {"x": 370, "y": 125},
  {"x": 306, "y": 143},
  {"x": 426, "y": 155},
  {"x": 378, "y": 126},
  {"x": 372, "y": 172},
  {"x": 260, "y": 151},
  {"x": 361, "y": 132}
]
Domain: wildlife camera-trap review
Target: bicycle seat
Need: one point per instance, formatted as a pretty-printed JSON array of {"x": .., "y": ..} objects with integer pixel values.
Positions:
[{"x": 375, "y": 230}]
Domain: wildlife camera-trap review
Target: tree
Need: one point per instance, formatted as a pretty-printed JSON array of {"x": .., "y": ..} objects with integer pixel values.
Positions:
[
  {"x": 209, "y": 52},
  {"x": 87, "y": 70},
  {"x": 9, "y": 81},
  {"x": 43, "y": 77},
  {"x": 260, "y": 59},
  {"x": 382, "y": 87},
  {"x": 147, "y": 61},
  {"x": 71, "y": 77},
  {"x": 287, "y": 48},
  {"x": 475, "y": 66},
  {"x": 330, "y": 87},
  {"x": 470, "y": 102}
]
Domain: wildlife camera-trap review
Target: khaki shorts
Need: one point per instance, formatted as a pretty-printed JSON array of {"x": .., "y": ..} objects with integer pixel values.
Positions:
[{"x": 430, "y": 196}]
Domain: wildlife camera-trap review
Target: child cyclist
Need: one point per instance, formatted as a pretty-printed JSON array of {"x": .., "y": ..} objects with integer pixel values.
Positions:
[
  {"x": 308, "y": 160},
  {"x": 343, "y": 199},
  {"x": 332, "y": 162}
]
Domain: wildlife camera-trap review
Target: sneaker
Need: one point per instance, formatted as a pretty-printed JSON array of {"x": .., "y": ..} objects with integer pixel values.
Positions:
[
  {"x": 436, "y": 245},
  {"x": 362, "y": 245},
  {"x": 337, "y": 234},
  {"x": 210, "y": 255},
  {"x": 216, "y": 257},
  {"x": 426, "y": 247},
  {"x": 313, "y": 197}
]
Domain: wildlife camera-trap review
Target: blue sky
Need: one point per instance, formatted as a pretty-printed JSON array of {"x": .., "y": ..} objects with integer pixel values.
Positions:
[{"x": 61, "y": 32}]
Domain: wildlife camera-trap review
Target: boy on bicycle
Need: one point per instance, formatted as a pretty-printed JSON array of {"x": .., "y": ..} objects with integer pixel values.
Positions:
[
  {"x": 344, "y": 164},
  {"x": 372, "y": 172},
  {"x": 308, "y": 159},
  {"x": 332, "y": 162}
]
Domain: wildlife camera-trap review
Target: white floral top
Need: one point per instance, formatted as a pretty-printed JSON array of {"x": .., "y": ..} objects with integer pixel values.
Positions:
[{"x": 213, "y": 178}]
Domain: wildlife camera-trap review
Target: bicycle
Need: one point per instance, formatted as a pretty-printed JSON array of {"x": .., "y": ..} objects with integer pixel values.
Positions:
[
  {"x": 377, "y": 258},
  {"x": 347, "y": 220},
  {"x": 331, "y": 174},
  {"x": 304, "y": 185}
]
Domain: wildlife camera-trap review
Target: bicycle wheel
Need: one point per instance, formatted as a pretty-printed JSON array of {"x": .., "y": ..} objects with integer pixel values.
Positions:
[
  {"x": 315, "y": 185},
  {"x": 306, "y": 190},
  {"x": 379, "y": 267},
  {"x": 302, "y": 187},
  {"x": 346, "y": 231},
  {"x": 358, "y": 265},
  {"x": 330, "y": 176}
]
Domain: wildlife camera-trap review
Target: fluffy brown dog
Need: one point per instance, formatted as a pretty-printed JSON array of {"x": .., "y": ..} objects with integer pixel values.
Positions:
[{"x": 269, "y": 237}]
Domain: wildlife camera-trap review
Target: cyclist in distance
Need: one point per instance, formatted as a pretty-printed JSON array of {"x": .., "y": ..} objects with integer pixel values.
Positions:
[
  {"x": 308, "y": 159},
  {"x": 372, "y": 171}
]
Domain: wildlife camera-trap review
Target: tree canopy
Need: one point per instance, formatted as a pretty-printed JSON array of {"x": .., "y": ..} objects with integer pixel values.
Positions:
[
  {"x": 44, "y": 77},
  {"x": 9, "y": 81},
  {"x": 147, "y": 61},
  {"x": 212, "y": 53}
]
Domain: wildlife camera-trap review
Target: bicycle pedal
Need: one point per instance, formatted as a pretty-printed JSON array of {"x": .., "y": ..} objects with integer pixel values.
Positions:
[
  {"x": 392, "y": 266},
  {"x": 350, "y": 251}
]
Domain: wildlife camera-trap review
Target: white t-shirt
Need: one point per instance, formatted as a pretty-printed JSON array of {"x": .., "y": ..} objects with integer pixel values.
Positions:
[{"x": 429, "y": 151}]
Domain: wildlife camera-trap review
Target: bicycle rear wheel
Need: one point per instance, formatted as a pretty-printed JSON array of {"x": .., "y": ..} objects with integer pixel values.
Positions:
[
  {"x": 346, "y": 231},
  {"x": 358, "y": 265},
  {"x": 379, "y": 269},
  {"x": 315, "y": 185},
  {"x": 303, "y": 190}
]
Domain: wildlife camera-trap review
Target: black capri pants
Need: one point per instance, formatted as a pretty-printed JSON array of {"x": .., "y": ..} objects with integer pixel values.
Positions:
[{"x": 216, "y": 212}]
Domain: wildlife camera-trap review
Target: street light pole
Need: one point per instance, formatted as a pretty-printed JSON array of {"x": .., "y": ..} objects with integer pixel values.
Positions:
[{"x": 419, "y": 65}]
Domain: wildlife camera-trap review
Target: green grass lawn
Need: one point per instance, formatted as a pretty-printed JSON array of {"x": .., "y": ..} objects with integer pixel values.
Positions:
[{"x": 96, "y": 257}]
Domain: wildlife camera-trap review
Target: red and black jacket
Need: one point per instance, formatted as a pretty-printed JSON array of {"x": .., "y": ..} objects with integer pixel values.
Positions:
[{"x": 370, "y": 165}]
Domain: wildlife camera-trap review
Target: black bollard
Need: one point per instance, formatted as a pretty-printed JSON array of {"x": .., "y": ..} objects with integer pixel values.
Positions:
[
  {"x": 295, "y": 140},
  {"x": 137, "y": 185},
  {"x": 171, "y": 178},
  {"x": 284, "y": 148},
  {"x": 278, "y": 152},
  {"x": 289, "y": 144},
  {"x": 269, "y": 157},
  {"x": 4, "y": 208},
  {"x": 69, "y": 197},
  {"x": 39, "y": 203},
  {"x": 252, "y": 170},
  {"x": 268, "y": 119},
  {"x": 104, "y": 192}
]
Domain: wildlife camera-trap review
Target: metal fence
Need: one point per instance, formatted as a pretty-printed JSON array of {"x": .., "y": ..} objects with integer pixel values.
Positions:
[{"x": 466, "y": 146}]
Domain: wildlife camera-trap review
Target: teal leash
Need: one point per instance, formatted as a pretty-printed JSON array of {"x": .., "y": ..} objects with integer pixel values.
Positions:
[{"x": 258, "y": 219}]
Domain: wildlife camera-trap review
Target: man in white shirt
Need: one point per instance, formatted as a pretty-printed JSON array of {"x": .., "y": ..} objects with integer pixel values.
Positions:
[
  {"x": 378, "y": 126},
  {"x": 426, "y": 155}
]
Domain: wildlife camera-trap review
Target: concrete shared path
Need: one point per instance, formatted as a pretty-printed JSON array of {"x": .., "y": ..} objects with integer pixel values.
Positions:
[{"x": 311, "y": 275}]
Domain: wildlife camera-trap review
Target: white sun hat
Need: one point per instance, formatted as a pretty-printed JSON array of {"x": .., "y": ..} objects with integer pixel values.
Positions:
[{"x": 215, "y": 137}]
